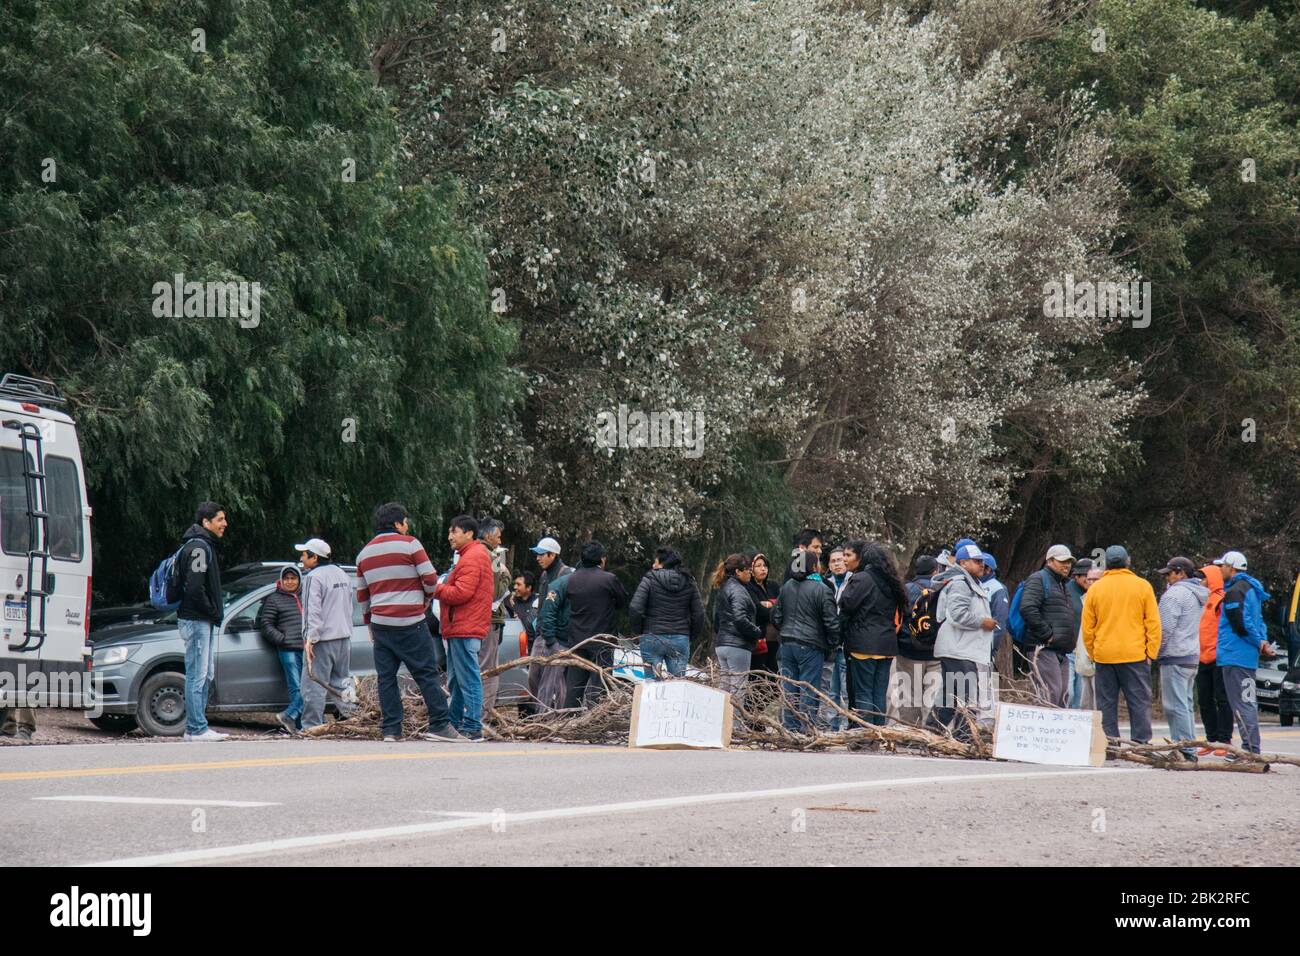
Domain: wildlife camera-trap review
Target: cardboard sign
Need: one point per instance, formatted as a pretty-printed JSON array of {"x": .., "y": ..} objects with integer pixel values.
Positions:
[
  {"x": 1066, "y": 738},
  {"x": 680, "y": 715}
]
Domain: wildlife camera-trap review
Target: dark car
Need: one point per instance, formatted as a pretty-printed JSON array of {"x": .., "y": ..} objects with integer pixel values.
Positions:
[
  {"x": 140, "y": 658},
  {"x": 1288, "y": 698}
]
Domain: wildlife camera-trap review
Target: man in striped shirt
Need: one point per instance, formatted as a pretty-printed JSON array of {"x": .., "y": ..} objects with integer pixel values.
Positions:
[{"x": 397, "y": 582}]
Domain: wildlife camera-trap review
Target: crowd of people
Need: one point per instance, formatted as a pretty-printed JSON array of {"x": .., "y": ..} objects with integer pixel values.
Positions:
[{"x": 841, "y": 626}]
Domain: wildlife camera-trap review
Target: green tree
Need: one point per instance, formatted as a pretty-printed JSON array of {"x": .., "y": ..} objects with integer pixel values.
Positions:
[
  {"x": 1203, "y": 110},
  {"x": 236, "y": 141}
]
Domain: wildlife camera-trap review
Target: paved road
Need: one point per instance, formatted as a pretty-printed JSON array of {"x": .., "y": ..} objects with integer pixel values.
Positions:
[{"x": 292, "y": 801}]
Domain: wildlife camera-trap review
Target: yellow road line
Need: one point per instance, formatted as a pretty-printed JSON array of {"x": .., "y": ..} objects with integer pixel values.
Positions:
[{"x": 288, "y": 762}]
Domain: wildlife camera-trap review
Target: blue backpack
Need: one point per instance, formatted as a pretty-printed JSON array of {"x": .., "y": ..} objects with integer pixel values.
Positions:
[
  {"x": 1015, "y": 620},
  {"x": 165, "y": 582}
]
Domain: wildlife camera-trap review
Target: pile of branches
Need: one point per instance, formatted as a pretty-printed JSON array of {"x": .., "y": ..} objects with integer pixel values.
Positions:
[{"x": 757, "y": 722}]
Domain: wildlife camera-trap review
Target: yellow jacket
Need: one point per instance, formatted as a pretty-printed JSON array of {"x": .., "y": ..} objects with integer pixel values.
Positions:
[{"x": 1121, "y": 621}]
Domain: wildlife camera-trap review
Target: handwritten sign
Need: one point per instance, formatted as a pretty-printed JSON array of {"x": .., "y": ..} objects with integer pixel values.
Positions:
[
  {"x": 1067, "y": 738},
  {"x": 680, "y": 715}
]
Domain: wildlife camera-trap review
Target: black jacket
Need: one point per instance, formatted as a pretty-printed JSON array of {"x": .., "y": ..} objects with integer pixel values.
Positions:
[
  {"x": 867, "y": 609},
  {"x": 736, "y": 616},
  {"x": 666, "y": 602},
  {"x": 526, "y": 613},
  {"x": 767, "y": 591},
  {"x": 805, "y": 613},
  {"x": 200, "y": 577},
  {"x": 906, "y": 646},
  {"x": 280, "y": 619},
  {"x": 594, "y": 599},
  {"x": 1048, "y": 612}
]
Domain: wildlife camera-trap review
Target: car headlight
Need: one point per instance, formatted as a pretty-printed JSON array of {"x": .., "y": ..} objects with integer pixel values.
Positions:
[
  {"x": 1290, "y": 685},
  {"x": 114, "y": 655}
]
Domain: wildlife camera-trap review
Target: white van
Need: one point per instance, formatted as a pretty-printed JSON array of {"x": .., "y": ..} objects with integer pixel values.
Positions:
[{"x": 44, "y": 550}]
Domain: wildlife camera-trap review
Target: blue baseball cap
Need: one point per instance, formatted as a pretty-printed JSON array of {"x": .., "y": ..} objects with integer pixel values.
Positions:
[
  {"x": 970, "y": 552},
  {"x": 990, "y": 561}
]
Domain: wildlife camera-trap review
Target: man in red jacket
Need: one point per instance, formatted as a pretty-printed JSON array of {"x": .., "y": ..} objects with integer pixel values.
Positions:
[{"x": 465, "y": 613}]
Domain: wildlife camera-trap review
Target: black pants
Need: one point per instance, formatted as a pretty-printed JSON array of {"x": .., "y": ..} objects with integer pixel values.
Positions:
[
  {"x": 1216, "y": 712},
  {"x": 960, "y": 689},
  {"x": 582, "y": 687},
  {"x": 1134, "y": 680},
  {"x": 412, "y": 646}
]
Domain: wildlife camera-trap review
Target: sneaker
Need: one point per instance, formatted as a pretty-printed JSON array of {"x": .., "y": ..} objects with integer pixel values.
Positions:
[
  {"x": 1219, "y": 752},
  {"x": 207, "y": 736},
  {"x": 23, "y": 733},
  {"x": 288, "y": 723},
  {"x": 446, "y": 734},
  {"x": 1204, "y": 751},
  {"x": 472, "y": 736},
  {"x": 390, "y": 739}
]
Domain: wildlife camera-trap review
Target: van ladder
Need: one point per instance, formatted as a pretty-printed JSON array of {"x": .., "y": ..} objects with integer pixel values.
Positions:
[{"x": 38, "y": 531}]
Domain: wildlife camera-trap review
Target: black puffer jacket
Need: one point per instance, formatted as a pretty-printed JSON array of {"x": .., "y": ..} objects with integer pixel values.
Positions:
[
  {"x": 666, "y": 602},
  {"x": 280, "y": 619},
  {"x": 1048, "y": 613},
  {"x": 867, "y": 614},
  {"x": 737, "y": 616},
  {"x": 805, "y": 613}
]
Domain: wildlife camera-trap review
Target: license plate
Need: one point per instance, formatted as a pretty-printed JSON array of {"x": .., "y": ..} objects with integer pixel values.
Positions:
[
  {"x": 1267, "y": 693},
  {"x": 15, "y": 610}
]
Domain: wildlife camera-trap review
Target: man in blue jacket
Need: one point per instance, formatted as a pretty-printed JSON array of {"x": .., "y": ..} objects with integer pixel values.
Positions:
[{"x": 1242, "y": 638}]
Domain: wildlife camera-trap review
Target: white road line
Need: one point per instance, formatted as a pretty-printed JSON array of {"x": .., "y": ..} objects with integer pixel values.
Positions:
[
  {"x": 162, "y": 801},
  {"x": 424, "y": 829}
]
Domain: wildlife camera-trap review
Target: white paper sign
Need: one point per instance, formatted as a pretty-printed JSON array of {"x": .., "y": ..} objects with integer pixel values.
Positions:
[
  {"x": 680, "y": 714},
  {"x": 1067, "y": 738}
]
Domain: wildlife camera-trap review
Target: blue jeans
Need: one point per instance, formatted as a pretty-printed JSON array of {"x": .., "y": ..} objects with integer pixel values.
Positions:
[
  {"x": 466, "y": 684},
  {"x": 291, "y": 664},
  {"x": 200, "y": 670},
  {"x": 1076, "y": 684},
  {"x": 1176, "y": 685},
  {"x": 870, "y": 683},
  {"x": 804, "y": 663},
  {"x": 835, "y": 684},
  {"x": 672, "y": 650}
]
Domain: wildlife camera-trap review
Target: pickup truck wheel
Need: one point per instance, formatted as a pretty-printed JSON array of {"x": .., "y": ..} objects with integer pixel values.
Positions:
[
  {"x": 114, "y": 723},
  {"x": 161, "y": 709}
]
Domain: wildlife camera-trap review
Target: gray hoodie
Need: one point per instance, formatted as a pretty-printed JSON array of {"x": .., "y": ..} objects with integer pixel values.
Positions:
[
  {"x": 327, "y": 604},
  {"x": 1180, "y": 622},
  {"x": 963, "y": 606}
]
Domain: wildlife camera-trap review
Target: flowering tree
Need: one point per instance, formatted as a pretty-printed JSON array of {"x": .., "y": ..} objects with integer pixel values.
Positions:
[{"x": 829, "y": 229}]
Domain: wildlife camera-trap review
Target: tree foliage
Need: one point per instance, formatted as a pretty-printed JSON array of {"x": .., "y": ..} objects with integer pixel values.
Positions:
[{"x": 222, "y": 155}]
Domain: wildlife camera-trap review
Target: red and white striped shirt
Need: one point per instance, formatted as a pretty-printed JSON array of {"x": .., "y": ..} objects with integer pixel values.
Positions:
[{"x": 396, "y": 579}]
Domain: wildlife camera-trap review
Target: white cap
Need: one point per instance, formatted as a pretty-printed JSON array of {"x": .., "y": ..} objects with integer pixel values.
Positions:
[
  {"x": 547, "y": 546},
  {"x": 315, "y": 546},
  {"x": 970, "y": 552},
  {"x": 944, "y": 558},
  {"x": 1233, "y": 559},
  {"x": 1059, "y": 552}
]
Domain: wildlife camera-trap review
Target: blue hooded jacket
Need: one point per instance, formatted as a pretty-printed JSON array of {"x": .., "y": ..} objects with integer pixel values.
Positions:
[{"x": 1241, "y": 622}]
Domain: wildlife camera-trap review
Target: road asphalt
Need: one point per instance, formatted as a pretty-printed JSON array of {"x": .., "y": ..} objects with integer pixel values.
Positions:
[{"x": 263, "y": 800}]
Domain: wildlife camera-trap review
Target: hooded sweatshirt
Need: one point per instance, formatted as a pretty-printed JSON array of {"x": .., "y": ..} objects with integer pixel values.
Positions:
[
  {"x": 1210, "y": 615},
  {"x": 1121, "y": 621},
  {"x": 1241, "y": 625},
  {"x": 280, "y": 619},
  {"x": 1180, "y": 622},
  {"x": 200, "y": 577},
  {"x": 962, "y": 609},
  {"x": 327, "y": 604}
]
